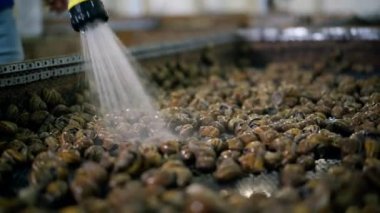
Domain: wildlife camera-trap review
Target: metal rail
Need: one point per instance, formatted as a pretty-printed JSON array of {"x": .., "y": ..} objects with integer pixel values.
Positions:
[
  {"x": 40, "y": 69},
  {"x": 45, "y": 68}
]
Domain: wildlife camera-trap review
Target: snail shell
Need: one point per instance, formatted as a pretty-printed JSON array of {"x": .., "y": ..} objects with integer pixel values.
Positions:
[{"x": 227, "y": 170}]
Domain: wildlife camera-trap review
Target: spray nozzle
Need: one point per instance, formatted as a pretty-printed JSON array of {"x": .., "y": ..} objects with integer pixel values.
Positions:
[{"x": 83, "y": 12}]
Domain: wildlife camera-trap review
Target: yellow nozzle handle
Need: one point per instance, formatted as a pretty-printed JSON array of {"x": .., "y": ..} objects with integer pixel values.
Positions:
[{"x": 72, "y": 3}]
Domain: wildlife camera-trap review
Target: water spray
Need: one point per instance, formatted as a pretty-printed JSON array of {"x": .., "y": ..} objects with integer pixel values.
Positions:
[
  {"x": 84, "y": 12},
  {"x": 112, "y": 75}
]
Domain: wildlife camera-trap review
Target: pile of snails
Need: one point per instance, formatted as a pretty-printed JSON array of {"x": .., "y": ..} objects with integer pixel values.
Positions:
[{"x": 60, "y": 154}]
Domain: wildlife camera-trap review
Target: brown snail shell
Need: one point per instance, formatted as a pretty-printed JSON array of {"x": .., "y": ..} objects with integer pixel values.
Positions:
[
  {"x": 83, "y": 187},
  {"x": 372, "y": 147},
  {"x": 205, "y": 120},
  {"x": 307, "y": 161},
  {"x": 89, "y": 108},
  {"x": 233, "y": 123},
  {"x": 95, "y": 205},
  {"x": 75, "y": 108},
  {"x": 158, "y": 177},
  {"x": 12, "y": 112},
  {"x": 23, "y": 119},
  {"x": 14, "y": 157},
  {"x": 152, "y": 158},
  {"x": 219, "y": 125},
  {"x": 70, "y": 157},
  {"x": 227, "y": 170},
  {"x": 88, "y": 180},
  {"x": 79, "y": 98},
  {"x": 293, "y": 175},
  {"x": 218, "y": 144},
  {"x": 254, "y": 147},
  {"x": 169, "y": 147},
  {"x": 38, "y": 117},
  {"x": 107, "y": 161},
  {"x": 235, "y": 144},
  {"x": 353, "y": 161},
  {"x": 36, "y": 103},
  {"x": 182, "y": 173},
  {"x": 307, "y": 145},
  {"x": 288, "y": 194},
  {"x": 47, "y": 167},
  {"x": 229, "y": 154},
  {"x": 35, "y": 148},
  {"x": 205, "y": 157},
  {"x": 205, "y": 162},
  {"x": 209, "y": 131},
  {"x": 202, "y": 199},
  {"x": 17, "y": 145},
  {"x": 186, "y": 154},
  {"x": 272, "y": 159},
  {"x": 174, "y": 197},
  {"x": 252, "y": 162},
  {"x": 94, "y": 153},
  {"x": 52, "y": 143},
  {"x": 77, "y": 118},
  {"x": 247, "y": 137},
  {"x": 52, "y": 97},
  {"x": 119, "y": 180},
  {"x": 266, "y": 135},
  {"x": 186, "y": 130},
  {"x": 372, "y": 163},
  {"x": 8, "y": 128},
  {"x": 60, "y": 109},
  {"x": 56, "y": 191},
  {"x": 129, "y": 161}
]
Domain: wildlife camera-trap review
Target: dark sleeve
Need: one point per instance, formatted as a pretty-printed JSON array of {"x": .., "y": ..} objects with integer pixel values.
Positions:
[{"x": 5, "y": 4}]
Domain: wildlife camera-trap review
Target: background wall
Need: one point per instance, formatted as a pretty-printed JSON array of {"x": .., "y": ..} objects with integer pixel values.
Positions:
[
  {"x": 331, "y": 7},
  {"x": 360, "y": 7},
  {"x": 30, "y": 12},
  {"x": 194, "y": 7}
]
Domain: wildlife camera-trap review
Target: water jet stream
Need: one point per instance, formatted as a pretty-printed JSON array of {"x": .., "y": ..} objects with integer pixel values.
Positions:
[{"x": 113, "y": 77}]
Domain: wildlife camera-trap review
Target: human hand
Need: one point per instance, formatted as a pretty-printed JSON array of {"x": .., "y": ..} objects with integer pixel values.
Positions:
[{"x": 57, "y": 5}]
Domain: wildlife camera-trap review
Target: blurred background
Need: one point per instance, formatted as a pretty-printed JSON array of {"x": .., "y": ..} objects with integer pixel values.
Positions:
[{"x": 139, "y": 22}]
